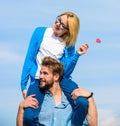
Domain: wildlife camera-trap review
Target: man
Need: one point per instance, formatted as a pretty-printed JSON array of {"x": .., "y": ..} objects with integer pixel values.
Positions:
[
  {"x": 56, "y": 110},
  {"x": 62, "y": 35}
]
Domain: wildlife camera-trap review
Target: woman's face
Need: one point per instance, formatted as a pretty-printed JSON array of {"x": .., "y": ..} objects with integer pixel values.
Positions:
[{"x": 60, "y": 26}]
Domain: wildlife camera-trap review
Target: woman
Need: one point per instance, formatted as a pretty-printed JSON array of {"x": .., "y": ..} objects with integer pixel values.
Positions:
[{"x": 59, "y": 43}]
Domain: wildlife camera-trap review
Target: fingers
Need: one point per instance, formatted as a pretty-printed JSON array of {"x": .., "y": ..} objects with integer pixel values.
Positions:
[
  {"x": 84, "y": 47},
  {"x": 30, "y": 101},
  {"x": 80, "y": 92},
  {"x": 33, "y": 95},
  {"x": 87, "y": 46},
  {"x": 75, "y": 94},
  {"x": 34, "y": 99},
  {"x": 34, "y": 105}
]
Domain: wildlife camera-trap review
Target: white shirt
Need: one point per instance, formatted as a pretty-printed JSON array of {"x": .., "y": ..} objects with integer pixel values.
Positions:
[{"x": 51, "y": 46}]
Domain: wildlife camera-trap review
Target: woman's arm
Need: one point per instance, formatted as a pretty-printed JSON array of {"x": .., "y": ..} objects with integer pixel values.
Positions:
[
  {"x": 30, "y": 57},
  {"x": 70, "y": 58},
  {"x": 34, "y": 45}
]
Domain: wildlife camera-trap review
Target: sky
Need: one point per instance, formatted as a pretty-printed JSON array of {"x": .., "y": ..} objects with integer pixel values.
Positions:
[{"x": 97, "y": 71}]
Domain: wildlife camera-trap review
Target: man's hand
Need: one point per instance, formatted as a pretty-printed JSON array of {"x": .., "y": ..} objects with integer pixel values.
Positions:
[
  {"x": 80, "y": 92},
  {"x": 92, "y": 115},
  {"x": 83, "y": 49},
  {"x": 29, "y": 101}
]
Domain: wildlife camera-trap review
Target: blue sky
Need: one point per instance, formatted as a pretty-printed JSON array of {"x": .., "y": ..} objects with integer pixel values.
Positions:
[{"x": 98, "y": 70}]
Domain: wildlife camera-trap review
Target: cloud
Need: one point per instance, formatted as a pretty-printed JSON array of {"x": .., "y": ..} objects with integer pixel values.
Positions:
[
  {"x": 8, "y": 54},
  {"x": 108, "y": 118},
  {"x": 9, "y": 104}
]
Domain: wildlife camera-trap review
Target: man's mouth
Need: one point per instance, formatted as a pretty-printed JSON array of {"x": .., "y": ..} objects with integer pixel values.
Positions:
[{"x": 42, "y": 81}]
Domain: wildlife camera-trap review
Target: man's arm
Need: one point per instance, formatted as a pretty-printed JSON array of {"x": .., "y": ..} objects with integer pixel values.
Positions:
[
  {"x": 92, "y": 115},
  {"x": 30, "y": 101},
  {"x": 19, "y": 119}
]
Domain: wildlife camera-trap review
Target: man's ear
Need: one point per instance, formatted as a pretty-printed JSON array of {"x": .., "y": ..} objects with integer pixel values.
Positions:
[{"x": 56, "y": 77}]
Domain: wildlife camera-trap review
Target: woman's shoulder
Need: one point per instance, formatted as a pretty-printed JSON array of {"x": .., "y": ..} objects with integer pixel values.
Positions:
[{"x": 40, "y": 28}]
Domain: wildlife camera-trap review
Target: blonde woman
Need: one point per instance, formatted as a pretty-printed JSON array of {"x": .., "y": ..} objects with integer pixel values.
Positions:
[{"x": 57, "y": 42}]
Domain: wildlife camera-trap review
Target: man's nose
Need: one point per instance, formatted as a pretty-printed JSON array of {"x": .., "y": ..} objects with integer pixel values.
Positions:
[{"x": 40, "y": 76}]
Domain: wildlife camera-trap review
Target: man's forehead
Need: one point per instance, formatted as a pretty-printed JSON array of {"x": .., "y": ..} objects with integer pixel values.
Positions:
[{"x": 45, "y": 68}]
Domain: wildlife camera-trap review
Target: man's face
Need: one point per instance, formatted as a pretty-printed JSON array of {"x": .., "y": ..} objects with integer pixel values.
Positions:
[{"x": 46, "y": 78}]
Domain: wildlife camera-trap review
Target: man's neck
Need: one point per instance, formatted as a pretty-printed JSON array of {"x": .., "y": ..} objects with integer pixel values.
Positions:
[{"x": 56, "y": 93}]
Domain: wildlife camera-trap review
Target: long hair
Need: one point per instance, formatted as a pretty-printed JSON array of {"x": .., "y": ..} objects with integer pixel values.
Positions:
[{"x": 73, "y": 24}]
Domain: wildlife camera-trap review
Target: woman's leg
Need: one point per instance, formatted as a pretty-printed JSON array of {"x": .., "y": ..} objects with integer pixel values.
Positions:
[
  {"x": 30, "y": 114},
  {"x": 68, "y": 85},
  {"x": 80, "y": 111},
  {"x": 79, "y": 105}
]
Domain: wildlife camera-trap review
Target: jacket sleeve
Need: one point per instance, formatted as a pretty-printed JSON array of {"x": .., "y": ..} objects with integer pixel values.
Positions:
[
  {"x": 30, "y": 58},
  {"x": 69, "y": 60}
]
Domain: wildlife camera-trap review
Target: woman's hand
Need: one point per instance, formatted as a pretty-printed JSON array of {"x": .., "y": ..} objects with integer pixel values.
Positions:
[{"x": 83, "y": 49}]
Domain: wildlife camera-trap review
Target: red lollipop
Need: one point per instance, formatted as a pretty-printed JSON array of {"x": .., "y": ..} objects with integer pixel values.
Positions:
[{"x": 98, "y": 40}]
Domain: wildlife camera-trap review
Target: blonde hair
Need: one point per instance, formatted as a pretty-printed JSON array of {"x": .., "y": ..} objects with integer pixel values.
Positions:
[{"x": 73, "y": 24}]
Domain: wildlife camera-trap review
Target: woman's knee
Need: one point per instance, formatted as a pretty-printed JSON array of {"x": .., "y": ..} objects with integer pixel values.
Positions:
[
  {"x": 68, "y": 85},
  {"x": 81, "y": 102}
]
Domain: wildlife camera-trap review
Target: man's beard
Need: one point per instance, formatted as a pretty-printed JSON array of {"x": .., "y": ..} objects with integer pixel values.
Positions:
[{"x": 47, "y": 86}]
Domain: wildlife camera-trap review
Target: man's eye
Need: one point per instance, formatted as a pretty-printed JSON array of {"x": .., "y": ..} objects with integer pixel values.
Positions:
[{"x": 45, "y": 73}]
